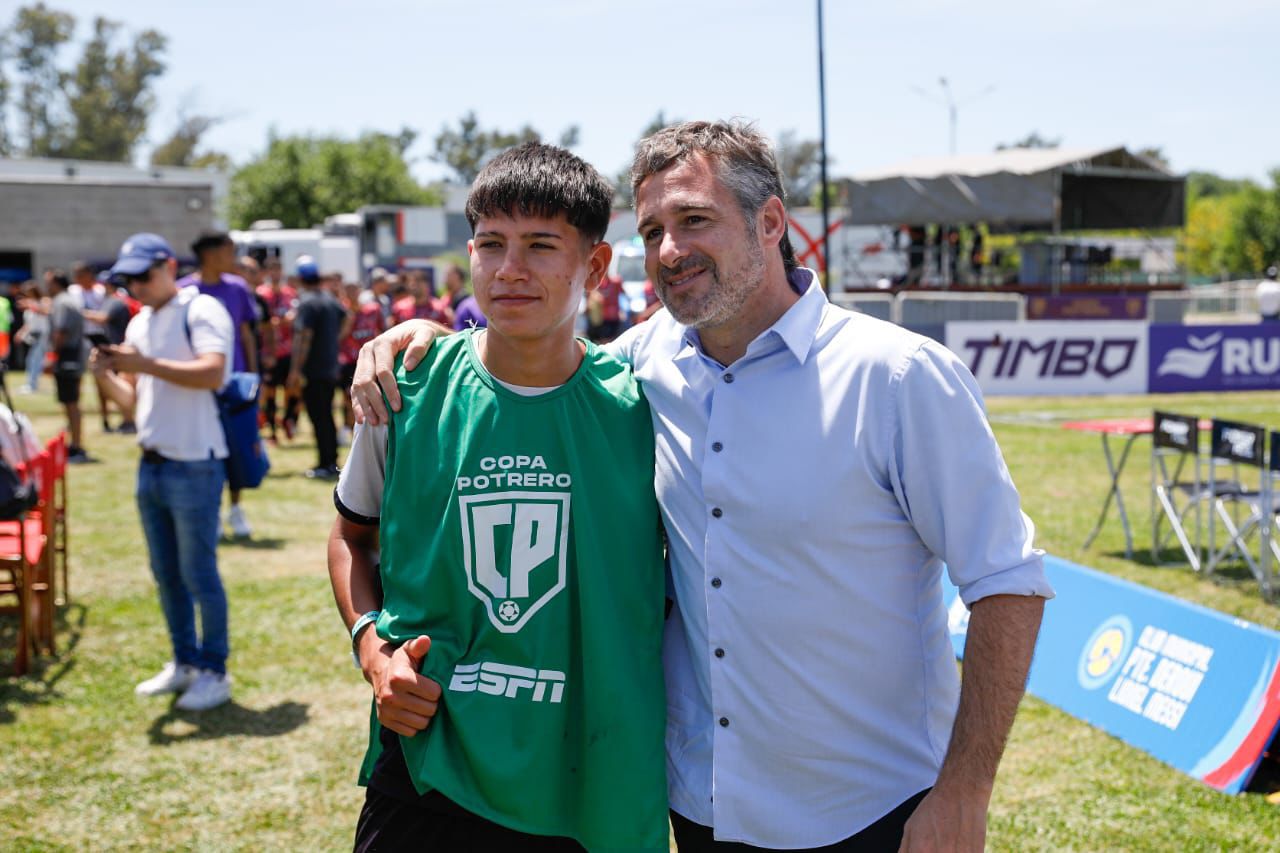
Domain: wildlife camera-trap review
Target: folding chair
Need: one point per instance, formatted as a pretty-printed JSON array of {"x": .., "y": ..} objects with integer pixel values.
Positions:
[
  {"x": 13, "y": 586},
  {"x": 1242, "y": 445},
  {"x": 24, "y": 544},
  {"x": 1175, "y": 441},
  {"x": 57, "y": 508}
]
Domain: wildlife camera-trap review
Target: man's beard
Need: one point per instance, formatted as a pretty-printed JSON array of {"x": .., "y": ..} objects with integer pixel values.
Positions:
[{"x": 721, "y": 298}]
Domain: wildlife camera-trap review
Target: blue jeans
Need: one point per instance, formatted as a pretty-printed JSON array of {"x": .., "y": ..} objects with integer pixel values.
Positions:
[{"x": 178, "y": 503}]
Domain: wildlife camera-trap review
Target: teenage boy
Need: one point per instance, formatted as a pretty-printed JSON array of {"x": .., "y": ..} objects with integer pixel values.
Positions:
[
  {"x": 524, "y": 620},
  {"x": 176, "y": 353}
]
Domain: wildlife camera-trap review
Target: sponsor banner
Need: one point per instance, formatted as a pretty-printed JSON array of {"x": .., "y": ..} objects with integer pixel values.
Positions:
[
  {"x": 1214, "y": 358},
  {"x": 1082, "y": 306},
  {"x": 1053, "y": 357},
  {"x": 1195, "y": 688}
]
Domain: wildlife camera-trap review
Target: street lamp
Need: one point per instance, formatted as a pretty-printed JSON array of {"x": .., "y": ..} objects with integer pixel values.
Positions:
[{"x": 948, "y": 100}]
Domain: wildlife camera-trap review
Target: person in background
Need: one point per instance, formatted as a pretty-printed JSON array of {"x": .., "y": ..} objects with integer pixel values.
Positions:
[
  {"x": 313, "y": 374},
  {"x": 604, "y": 308},
  {"x": 114, "y": 315},
  {"x": 455, "y": 286},
  {"x": 216, "y": 259},
  {"x": 91, "y": 293},
  {"x": 33, "y": 335},
  {"x": 421, "y": 303},
  {"x": 380, "y": 282},
  {"x": 66, "y": 342},
  {"x": 364, "y": 323},
  {"x": 1268, "y": 296},
  {"x": 176, "y": 351},
  {"x": 281, "y": 299}
]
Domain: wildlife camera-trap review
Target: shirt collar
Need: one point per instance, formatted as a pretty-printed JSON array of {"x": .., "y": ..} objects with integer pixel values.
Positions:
[{"x": 797, "y": 327}]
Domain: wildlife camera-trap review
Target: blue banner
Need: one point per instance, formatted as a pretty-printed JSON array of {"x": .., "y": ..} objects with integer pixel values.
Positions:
[
  {"x": 1195, "y": 688},
  {"x": 1213, "y": 358}
]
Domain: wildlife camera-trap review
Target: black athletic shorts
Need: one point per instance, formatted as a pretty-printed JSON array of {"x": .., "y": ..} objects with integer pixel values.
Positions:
[
  {"x": 346, "y": 375},
  {"x": 67, "y": 384},
  {"x": 396, "y": 817},
  {"x": 279, "y": 373}
]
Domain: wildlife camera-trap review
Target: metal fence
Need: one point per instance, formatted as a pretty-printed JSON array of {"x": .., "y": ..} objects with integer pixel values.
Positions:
[{"x": 1229, "y": 302}]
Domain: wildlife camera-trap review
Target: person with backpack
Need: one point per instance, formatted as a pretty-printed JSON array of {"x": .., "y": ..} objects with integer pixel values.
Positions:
[{"x": 176, "y": 352}]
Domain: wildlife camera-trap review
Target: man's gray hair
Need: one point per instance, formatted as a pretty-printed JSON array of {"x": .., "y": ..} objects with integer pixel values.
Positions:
[{"x": 743, "y": 157}]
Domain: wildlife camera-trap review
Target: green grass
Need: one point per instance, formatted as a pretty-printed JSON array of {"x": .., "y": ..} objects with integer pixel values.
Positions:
[{"x": 86, "y": 765}]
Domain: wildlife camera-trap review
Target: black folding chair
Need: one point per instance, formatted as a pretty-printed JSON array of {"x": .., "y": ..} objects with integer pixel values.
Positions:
[
  {"x": 1244, "y": 511},
  {"x": 1175, "y": 447}
]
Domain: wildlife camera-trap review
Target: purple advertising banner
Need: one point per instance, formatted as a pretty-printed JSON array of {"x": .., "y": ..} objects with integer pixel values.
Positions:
[
  {"x": 1214, "y": 358},
  {"x": 1082, "y": 306}
]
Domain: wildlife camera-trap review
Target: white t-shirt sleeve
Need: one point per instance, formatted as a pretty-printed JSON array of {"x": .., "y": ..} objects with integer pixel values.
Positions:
[
  {"x": 358, "y": 496},
  {"x": 211, "y": 330}
]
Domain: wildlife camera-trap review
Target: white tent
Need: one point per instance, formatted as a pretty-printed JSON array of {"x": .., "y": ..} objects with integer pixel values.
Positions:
[{"x": 1049, "y": 188}]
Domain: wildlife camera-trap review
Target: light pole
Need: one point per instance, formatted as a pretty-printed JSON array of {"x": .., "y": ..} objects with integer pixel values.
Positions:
[
  {"x": 822, "y": 141},
  {"x": 953, "y": 107}
]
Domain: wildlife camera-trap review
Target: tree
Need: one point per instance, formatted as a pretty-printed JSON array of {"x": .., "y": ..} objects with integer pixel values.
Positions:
[
  {"x": 109, "y": 94},
  {"x": 1252, "y": 242},
  {"x": 1032, "y": 140},
  {"x": 38, "y": 33},
  {"x": 467, "y": 148},
  {"x": 180, "y": 148},
  {"x": 1156, "y": 155},
  {"x": 302, "y": 179},
  {"x": 99, "y": 109},
  {"x": 622, "y": 194},
  {"x": 800, "y": 163}
]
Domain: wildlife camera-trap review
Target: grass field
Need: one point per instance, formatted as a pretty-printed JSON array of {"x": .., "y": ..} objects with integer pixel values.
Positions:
[{"x": 86, "y": 765}]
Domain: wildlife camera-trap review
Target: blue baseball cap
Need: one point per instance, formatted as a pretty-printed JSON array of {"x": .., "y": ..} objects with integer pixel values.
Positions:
[
  {"x": 308, "y": 269},
  {"x": 141, "y": 252}
]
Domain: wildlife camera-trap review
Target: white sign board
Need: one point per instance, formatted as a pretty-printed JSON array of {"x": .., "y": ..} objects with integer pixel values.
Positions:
[{"x": 1045, "y": 357}]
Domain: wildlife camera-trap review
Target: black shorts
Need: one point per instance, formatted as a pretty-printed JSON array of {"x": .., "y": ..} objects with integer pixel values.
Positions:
[
  {"x": 278, "y": 374},
  {"x": 346, "y": 375},
  {"x": 67, "y": 385},
  {"x": 396, "y": 817}
]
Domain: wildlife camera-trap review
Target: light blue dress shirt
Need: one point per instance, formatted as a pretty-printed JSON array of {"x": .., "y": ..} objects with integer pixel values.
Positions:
[{"x": 811, "y": 492}]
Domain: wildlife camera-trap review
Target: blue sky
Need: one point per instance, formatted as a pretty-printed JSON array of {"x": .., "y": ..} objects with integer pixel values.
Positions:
[{"x": 1198, "y": 79}]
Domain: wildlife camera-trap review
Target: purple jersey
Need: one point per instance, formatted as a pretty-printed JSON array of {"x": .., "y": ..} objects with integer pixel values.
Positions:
[
  {"x": 234, "y": 294},
  {"x": 467, "y": 314}
]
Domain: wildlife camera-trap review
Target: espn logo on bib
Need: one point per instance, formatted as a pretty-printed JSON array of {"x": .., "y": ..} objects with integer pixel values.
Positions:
[
  {"x": 500, "y": 679},
  {"x": 515, "y": 552}
]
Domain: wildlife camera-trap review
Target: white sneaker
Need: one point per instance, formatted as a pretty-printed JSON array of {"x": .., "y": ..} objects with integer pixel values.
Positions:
[
  {"x": 238, "y": 523},
  {"x": 209, "y": 690},
  {"x": 174, "y": 678}
]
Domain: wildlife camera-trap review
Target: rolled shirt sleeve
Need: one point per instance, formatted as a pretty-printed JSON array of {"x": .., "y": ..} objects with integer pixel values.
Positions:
[{"x": 953, "y": 484}]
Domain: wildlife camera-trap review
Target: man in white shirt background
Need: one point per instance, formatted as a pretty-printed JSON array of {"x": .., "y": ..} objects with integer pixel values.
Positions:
[
  {"x": 176, "y": 354},
  {"x": 1268, "y": 296},
  {"x": 815, "y": 469}
]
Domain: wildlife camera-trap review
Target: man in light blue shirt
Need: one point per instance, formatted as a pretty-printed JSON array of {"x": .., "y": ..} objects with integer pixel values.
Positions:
[{"x": 815, "y": 468}]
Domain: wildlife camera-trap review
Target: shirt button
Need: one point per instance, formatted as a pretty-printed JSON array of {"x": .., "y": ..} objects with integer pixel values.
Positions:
[
  {"x": 715, "y": 582},
  {"x": 724, "y": 722},
  {"x": 717, "y": 512},
  {"x": 728, "y": 378},
  {"x": 717, "y": 447},
  {"x": 719, "y": 653}
]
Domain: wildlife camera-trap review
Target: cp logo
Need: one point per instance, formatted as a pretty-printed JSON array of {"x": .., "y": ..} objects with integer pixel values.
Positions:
[
  {"x": 1104, "y": 652},
  {"x": 515, "y": 552}
]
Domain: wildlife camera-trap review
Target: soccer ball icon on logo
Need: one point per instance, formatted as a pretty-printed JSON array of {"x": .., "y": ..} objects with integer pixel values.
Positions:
[{"x": 509, "y": 611}]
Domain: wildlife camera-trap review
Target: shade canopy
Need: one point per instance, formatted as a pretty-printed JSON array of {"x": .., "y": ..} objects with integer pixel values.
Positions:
[{"x": 1100, "y": 188}]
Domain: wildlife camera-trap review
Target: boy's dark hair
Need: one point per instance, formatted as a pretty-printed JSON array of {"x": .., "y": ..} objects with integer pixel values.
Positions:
[
  {"x": 536, "y": 179},
  {"x": 209, "y": 240}
]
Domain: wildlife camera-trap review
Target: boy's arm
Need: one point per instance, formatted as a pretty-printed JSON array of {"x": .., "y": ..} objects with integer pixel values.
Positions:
[{"x": 405, "y": 700}]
